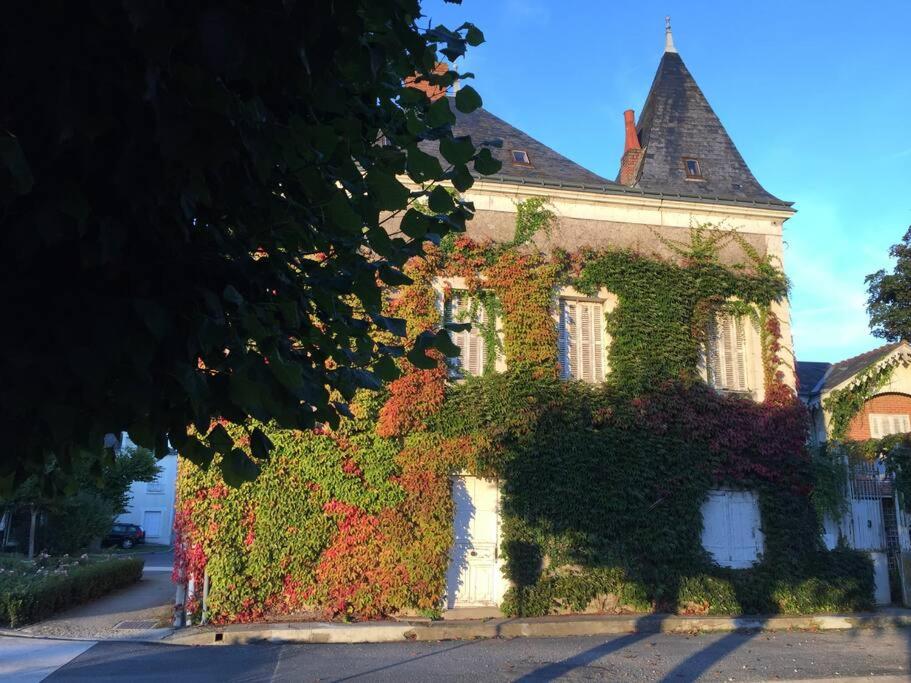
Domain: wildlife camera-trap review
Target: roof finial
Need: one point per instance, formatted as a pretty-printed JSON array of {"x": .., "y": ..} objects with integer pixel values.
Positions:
[{"x": 668, "y": 36}]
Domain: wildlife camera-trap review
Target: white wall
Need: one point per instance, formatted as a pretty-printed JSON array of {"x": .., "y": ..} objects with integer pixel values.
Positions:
[{"x": 152, "y": 503}]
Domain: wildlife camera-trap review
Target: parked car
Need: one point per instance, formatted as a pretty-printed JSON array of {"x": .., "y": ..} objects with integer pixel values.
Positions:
[{"x": 125, "y": 535}]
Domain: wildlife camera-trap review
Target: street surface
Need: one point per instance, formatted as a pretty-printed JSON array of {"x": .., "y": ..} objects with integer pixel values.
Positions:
[{"x": 717, "y": 657}]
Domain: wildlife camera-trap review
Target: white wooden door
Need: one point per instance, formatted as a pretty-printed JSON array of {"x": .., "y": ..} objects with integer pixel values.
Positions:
[
  {"x": 474, "y": 576},
  {"x": 151, "y": 523}
]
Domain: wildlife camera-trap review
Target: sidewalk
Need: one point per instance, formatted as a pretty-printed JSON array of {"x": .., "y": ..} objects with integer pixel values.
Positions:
[
  {"x": 538, "y": 627},
  {"x": 139, "y": 608}
]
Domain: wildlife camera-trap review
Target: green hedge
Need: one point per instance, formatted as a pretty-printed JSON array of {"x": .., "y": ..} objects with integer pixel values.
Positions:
[
  {"x": 836, "y": 581},
  {"x": 25, "y": 598}
]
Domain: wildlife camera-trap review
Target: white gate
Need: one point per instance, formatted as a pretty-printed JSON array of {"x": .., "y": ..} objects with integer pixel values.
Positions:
[{"x": 474, "y": 578}]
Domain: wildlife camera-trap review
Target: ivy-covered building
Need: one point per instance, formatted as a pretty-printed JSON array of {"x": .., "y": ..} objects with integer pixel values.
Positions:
[
  {"x": 619, "y": 431},
  {"x": 860, "y": 413}
]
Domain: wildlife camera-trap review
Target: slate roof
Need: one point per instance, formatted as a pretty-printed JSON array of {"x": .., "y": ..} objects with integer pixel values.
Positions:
[
  {"x": 677, "y": 122},
  {"x": 834, "y": 374},
  {"x": 808, "y": 375},
  {"x": 547, "y": 167}
]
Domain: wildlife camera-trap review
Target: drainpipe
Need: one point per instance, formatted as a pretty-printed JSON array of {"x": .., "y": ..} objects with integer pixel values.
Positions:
[
  {"x": 205, "y": 596},
  {"x": 191, "y": 593},
  {"x": 180, "y": 606}
]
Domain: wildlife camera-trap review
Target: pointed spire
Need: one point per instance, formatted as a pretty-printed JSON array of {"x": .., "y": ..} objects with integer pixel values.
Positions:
[{"x": 668, "y": 36}]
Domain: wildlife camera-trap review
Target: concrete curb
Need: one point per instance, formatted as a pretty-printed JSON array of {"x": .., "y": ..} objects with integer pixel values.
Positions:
[{"x": 541, "y": 627}]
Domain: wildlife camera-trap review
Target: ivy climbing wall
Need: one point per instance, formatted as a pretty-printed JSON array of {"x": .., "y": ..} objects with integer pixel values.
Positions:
[{"x": 602, "y": 484}]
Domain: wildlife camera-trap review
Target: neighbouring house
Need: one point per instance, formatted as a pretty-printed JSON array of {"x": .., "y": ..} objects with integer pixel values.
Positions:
[
  {"x": 863, "y": 400},
  {"x": 619, "y": 432},
  {"x": 151, "y": 504}
]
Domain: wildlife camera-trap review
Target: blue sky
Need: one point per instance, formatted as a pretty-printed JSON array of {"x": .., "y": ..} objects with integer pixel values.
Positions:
[{"x": 816, "y": 95}]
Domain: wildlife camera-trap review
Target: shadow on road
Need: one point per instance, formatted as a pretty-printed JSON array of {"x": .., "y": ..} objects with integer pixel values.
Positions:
[
  {"x": 557, "y": 669},
  {"x": 689, "y": 669}
]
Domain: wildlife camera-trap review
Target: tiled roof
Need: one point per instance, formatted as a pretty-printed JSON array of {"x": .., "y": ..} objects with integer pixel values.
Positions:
[
  {"x": 545, "y": 165},
  {"x": 816, "y": 378},
  {"x": 677, "y": 122},
  {"x": 849, "y": 367}
]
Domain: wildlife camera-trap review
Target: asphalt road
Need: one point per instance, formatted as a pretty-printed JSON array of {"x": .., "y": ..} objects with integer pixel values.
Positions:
[{"x": 728, "y": 657}]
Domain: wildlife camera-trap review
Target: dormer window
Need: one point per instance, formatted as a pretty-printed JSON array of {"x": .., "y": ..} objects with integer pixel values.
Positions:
[
  {"x": 520, "y": 157},
  {"x": 693, "y": 171}
]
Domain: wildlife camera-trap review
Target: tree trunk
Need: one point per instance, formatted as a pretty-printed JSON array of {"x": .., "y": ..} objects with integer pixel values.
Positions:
[{"x": 31, "y": 533}]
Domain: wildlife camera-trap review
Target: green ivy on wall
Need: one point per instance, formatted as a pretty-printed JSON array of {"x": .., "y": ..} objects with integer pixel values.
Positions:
[{"x": 602, "y": 486}]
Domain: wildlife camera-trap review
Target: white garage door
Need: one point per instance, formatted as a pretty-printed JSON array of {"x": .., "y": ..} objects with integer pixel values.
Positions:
[
  {"x": 732, "y": 528},
  {"x": 151, "y": 523}
]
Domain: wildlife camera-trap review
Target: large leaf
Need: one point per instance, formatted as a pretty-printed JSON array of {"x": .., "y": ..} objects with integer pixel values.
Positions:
[
  {"x": 467, "y": 99},
  {"x": 457, "y": 150},
  {"x": 440, "y": 201},
  {"x": 387, "y": 192},
  {"x": 237, "y": 468}
]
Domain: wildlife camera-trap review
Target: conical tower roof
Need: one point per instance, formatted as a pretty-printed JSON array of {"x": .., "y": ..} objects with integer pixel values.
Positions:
[{"x": 678, "y": 125}]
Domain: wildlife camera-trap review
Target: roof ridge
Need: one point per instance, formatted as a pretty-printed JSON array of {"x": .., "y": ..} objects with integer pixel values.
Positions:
[{"x": 871, "y": 352}]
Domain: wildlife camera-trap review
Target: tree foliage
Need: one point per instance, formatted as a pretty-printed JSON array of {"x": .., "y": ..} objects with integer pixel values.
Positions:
[
  {"x": 192, "y": 203},
  {"x": 889, "y": 295}
]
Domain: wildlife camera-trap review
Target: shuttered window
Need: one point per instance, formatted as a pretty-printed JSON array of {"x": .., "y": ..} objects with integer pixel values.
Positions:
[
  {"x": 883, "y": 424},
  {"x": 581, "y": 340},
  {"x": 726, "y": 353},
  {"x": 732, "y": 528},
  {"x": 472, "y": 353}
]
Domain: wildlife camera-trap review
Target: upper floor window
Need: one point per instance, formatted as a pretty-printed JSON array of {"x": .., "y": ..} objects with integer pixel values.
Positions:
[
  {"x": 692, "y": 168},
  {"x": 461, "y": 308},
  {"x": 882, "y": 424},
  {"x": 154, "y": 486},
  {"x": 727, "y": 357},
  {"x": 581, "y": 337}
]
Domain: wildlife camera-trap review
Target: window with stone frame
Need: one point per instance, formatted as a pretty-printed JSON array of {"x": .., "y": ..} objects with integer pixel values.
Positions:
[
  {"x": 581, "y": 339},
  {"x": 462, "y": 308},
  {"x": 727, "y": 358}
]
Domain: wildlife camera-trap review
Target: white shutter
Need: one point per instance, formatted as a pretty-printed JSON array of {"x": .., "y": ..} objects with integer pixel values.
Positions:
[
  {"x": 726, "y": 353},
  {"x": 586, "y": 360},
  {"x": 568, "y": 342},
  {"x": 471, "y": 341},
  {"x": 582, "y": 340},
  {"x": 731, "y": 528},
  {"x": 713, "y": 357},
  {"x": 875, "y": 429},
  {"x": 740, "y": 353},
  {"x": 597, "y": 341}
]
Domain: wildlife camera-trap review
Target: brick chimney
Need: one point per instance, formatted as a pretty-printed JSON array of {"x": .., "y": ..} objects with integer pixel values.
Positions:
[
  {"x": 434, "y": 92},
  {"x": 632, "y": 151}
]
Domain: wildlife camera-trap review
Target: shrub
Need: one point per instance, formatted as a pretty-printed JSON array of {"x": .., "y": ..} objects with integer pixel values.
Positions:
[{"x": 26, "y": 597}]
